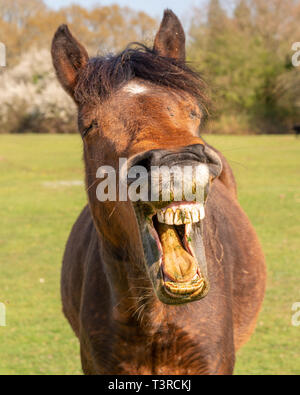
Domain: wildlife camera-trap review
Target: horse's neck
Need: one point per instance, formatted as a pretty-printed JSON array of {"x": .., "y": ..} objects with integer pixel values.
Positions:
[{"x": 133, "y": 299}]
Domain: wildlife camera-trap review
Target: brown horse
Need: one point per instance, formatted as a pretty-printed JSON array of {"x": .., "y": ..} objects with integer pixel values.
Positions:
[{"x": 146, "y": 289}]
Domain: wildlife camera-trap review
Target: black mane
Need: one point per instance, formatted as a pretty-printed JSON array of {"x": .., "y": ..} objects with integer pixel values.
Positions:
[{"x": 103, "y": 75}]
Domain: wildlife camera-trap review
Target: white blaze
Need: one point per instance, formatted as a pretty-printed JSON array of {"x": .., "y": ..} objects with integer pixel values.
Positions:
[{"x": 134, "y": 88}]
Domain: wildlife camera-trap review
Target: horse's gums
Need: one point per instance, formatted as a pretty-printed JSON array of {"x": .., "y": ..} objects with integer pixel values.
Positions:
[{"x": 130, "y": 267}]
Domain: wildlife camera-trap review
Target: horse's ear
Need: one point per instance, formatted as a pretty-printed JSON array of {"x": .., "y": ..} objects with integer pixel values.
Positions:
[
  {"x": 170, "y": 39},
  {"x": 69, "y": 57}
]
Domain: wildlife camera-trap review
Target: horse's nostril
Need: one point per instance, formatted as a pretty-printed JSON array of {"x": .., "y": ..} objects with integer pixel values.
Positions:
[
  {"x": 146, "y": 159},
  {"x": 196, "y": 149},
  {"x": 214, "y": 162}
]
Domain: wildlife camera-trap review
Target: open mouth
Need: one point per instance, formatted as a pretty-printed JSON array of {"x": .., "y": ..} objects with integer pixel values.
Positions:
[
  {"x": 173, "y": 245},
  {"x": 171, "y": 216}
]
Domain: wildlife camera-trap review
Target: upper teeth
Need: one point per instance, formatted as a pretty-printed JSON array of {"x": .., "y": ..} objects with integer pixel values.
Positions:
[{"x": 183, "y": 214}]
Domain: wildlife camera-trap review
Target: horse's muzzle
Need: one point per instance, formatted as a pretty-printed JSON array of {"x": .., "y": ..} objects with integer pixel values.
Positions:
[{"x": 171, "y": 226}]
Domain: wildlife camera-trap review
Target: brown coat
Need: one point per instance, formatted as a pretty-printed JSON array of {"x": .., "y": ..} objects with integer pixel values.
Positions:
[{"x": 124, "y": 326}]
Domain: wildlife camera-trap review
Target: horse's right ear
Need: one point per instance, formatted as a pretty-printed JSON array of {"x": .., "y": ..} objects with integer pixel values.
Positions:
[{"x": 69, "y": 57}]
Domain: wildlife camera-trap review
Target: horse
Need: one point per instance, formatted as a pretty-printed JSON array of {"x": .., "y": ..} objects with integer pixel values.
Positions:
[
  {"x": 296, "y": 129},
  {"x": 160, "y": 286}
]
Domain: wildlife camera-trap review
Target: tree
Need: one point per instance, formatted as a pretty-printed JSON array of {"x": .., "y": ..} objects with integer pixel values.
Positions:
[
  {"x": 27, "y": 23},
  {"x": 247, "y": 59},
  {"x": 216, "y": 17},
  {"x": 242, "y": 15}
]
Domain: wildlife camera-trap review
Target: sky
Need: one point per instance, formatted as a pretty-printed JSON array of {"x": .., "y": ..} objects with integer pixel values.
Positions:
[{"x": 152, "y": 7}]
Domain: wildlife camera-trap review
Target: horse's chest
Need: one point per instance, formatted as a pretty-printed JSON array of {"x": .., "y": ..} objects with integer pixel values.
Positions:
[{"x": 161, "y": 356}]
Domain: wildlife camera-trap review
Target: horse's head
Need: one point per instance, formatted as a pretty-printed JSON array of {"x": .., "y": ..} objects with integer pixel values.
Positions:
[{"x": 144, "y": 106}]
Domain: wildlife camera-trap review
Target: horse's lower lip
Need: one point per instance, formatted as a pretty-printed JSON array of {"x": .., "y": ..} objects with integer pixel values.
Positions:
[{"x": 191, "y": 288}]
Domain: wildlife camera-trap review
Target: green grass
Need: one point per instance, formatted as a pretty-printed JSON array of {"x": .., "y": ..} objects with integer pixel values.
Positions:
[{"x": 36, "y": 219}]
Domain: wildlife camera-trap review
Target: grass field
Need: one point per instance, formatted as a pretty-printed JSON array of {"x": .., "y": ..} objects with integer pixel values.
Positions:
[{"x": 37, "y": 212}]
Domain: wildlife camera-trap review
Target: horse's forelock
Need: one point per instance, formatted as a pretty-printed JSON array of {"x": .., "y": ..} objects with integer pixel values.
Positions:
[{"x": 104, "y": 75}]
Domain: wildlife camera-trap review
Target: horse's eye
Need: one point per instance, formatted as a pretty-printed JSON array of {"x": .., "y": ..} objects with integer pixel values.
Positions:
[
  {"x": 194, "y": 114},
  {"x": 88, "y": 129}
]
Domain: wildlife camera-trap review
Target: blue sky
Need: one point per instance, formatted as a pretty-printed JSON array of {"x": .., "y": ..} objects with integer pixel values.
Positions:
[{"x": 152, "y": 7}]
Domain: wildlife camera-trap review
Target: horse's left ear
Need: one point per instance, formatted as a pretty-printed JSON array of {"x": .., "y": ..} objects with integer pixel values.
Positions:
[
  {"x": 69, "y": 57},
  {"x": 170, "y": 39}
]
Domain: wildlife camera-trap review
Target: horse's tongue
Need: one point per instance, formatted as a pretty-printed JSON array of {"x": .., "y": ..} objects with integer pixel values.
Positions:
[{"x": 178, "y": 264}]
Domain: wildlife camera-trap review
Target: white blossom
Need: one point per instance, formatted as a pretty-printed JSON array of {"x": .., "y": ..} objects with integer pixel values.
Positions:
[{"x": 31, "y": 90}]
